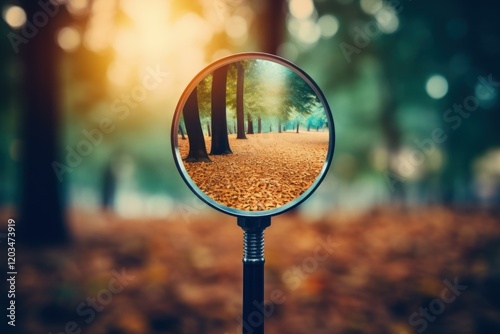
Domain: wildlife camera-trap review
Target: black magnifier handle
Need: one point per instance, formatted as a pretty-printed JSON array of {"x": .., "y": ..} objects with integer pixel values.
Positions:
[{"x": 253, "y": 273}]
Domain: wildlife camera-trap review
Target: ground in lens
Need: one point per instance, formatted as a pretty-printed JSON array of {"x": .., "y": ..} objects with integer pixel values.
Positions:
[{"x": 265, "y": 171}]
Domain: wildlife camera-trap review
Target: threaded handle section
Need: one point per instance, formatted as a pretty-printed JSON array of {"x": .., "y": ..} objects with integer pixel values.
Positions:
[{"x": 253, "y": 246}]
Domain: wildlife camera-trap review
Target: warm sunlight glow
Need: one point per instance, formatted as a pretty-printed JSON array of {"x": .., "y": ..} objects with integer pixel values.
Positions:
[
  {"x": 237, "y": 28},
  {"x": 220, "y": 53},
  {"x": 14, "y": 16},
  {"x": 124, "y": 44},
  {"x": 118, "y": 73},
  {"x": 97, "y": 36},
  {"x": 149, "y": 25},
  {"x": 151, "y": 34},
  {"x": 68, "y": 39}
]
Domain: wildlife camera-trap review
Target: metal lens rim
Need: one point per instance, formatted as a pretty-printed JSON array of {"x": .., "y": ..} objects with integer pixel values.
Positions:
[{"x": 178, "y": 111}]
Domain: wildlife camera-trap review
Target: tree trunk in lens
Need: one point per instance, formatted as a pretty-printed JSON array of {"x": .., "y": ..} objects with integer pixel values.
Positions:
[
  {"x": 191, "y": 112},
  {"x": 181, "y": 130},
  {"x": 308, "y": 127},
  {"x": 259, "y": 124},
  {"x": 250, "y": 125},
  {"x": 41, "y": 209},
  {"x": 279, "y": 126},
  {"x": 220, "y": 140},
  {"x": 240, "y": 114},
  {"x": 208, "y": 130},
  {"x": 298, "y": 124}
]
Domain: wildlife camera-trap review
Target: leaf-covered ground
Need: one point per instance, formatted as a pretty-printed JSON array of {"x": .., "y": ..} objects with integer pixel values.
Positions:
[
  {"x": 264, "y": 172},
  {"x": 341, "y": 274}
]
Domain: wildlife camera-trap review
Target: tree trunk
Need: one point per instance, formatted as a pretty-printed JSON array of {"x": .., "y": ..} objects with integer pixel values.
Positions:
[
  {"x": 181, "y": 130},
  {"x": 197, "y": 148},
  {"x": 208, "y": 130},
  {"x": 250, "y": 125},
  {"x": 41, "y": 216},
  {"x": 240, "y": 114},
  {"x": 220, "y": 140},
  {"x": 259, "y": 124},
  {"x": 298, "y": 124},
  {"x": 308, "y": 127},
  {"x": 272, "y": 23},
  {"x": 279, "y": 126}
]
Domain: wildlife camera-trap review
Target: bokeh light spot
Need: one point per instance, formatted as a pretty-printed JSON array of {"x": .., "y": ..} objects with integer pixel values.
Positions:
[
  {"x": 14, "y": 16},
  {"x": 437, "y": 86},
  {"x": 77, "y": 7},
  {"x": 329, "y": 25},
  {"x": 387, "y": 20},
  {"x": 371, "y": 6},
  {"x": 309, "y": 32},
  {"x": 301, "y": 9},
  {"x": 68, "y": 39}
]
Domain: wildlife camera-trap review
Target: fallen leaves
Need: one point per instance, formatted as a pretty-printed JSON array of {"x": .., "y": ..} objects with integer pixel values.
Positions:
[
  {"x": 385, "y": 265},
  {"x": 265, "y": 171}
]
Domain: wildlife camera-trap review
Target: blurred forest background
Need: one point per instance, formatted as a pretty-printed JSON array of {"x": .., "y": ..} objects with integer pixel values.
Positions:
[{"x": 88, "y": 88}]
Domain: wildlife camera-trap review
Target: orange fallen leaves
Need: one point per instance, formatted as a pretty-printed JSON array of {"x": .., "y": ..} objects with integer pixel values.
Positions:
[{"x": 265, "y": 171}]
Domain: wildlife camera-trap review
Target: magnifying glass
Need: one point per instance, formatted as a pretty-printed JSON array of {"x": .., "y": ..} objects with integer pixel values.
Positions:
[{"x": 253, "y": 136}]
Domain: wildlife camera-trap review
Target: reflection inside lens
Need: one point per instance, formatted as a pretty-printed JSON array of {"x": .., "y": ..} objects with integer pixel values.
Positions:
[{"x": 253, "y": 135}]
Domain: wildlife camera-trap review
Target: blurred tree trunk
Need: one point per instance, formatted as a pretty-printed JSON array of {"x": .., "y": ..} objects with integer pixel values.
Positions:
[
  {"x": 272, "y": 22},
  {"x": 220, "y": 141},
  {"x": 41, "y": 213}
]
